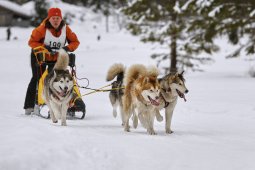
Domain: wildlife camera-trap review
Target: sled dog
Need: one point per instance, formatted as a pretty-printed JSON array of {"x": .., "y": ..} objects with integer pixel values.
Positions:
[
  {"x": 172, "y": 85},
  {"x": 116, "y": 70},
  {"x": 58, "y": 89},
  {"x": 141, "y": 96}
]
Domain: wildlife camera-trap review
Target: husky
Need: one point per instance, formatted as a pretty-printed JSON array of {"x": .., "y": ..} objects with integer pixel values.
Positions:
[
  {"x": 58, "y": 89},
  {"x": 141, "y": 96},
  {"x": 116, "y": 70},
  {"x": 172, "y": 86}
]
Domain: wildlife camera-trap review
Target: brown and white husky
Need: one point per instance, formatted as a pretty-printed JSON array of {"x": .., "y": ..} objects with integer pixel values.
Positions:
[{"x": 141, "y": 96}]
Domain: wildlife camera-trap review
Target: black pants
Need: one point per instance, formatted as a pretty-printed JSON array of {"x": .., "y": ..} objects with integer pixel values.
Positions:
[{"x": 31, "y": 89}]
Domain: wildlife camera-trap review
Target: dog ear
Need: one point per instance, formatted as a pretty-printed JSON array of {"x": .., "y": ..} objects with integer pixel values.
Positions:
[
  {"x": 54, "y": 74},
  {"x": 145, "y": 80}
]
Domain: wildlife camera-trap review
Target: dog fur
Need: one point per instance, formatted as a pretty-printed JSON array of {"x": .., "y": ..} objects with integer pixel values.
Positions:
[
  {"x": 169, "y": 85},
  {"x": 116, "y": 70},
  {"x": 58, "y": 89},
  {"x": 141, "y": 96},
  {"x": 172, "y": 86}
]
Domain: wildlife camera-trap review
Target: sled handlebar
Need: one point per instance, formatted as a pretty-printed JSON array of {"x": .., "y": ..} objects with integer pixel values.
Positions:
[
  {"x": 52, "y": 63},
  {"x": 41, "y": 51}
]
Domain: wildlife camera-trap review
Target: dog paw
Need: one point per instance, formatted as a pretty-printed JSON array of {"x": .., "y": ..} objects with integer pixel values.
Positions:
[
  {"x": 127, "y": 129},
  {"x": 159, "y": 118},
  {"x": 63, "y": 123},
  {"x": 114, "y": 113},
  {"x": 151, "y": 132},
  {"x": 169, "y": 131},
  {"x": 55, "y": 121}
]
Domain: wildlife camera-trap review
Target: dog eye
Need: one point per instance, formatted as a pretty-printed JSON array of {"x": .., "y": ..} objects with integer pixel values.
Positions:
[
  {"x": 180, "y": 84},
  {"x": 151, "y": 90},
  {"x": 61, "y": 81},
  {"x": 67, "y": 81}
]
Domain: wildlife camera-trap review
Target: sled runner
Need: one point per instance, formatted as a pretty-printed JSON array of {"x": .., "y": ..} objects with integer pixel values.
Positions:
[{"x": 77, "y": 108}]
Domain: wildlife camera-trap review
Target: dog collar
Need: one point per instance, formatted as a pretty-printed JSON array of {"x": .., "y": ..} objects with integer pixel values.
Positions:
[
  {"x": 56, "y": 96},
  {"x": 53, "y": 94},
  {"x": 166, "y": 103}
]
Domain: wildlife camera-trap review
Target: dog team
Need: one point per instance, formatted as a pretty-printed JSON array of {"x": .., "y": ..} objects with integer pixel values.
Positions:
[
  {"x": 142, "y": 98},
  {"x": 144, "y": 95}
]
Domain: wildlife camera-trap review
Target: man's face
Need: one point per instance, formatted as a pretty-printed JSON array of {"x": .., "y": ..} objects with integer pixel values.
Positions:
[{"x": 55, "y": 21}]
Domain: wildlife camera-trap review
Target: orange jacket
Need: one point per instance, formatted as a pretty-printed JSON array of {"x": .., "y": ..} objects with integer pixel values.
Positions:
[{"x": 38, "y": 35}]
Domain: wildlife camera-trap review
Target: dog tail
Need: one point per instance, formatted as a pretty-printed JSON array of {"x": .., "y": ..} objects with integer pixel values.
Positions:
[
  {"x": 115, "y": 70},
  {"x": 62, "y": 61},
  {"x": 152, "y": 71},
  {"x": 134, "y": 72},
  {"x": 131, "y": 75}
]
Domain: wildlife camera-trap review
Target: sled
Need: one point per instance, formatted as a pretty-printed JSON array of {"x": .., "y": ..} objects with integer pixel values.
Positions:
[{"x": 77, "y": 109}]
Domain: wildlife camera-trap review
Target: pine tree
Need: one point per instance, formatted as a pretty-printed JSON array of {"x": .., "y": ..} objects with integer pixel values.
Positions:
[
  {"x": 41, "y": 8},
  {"x": 106, "y": 7},
  {"x": 234, "y": 19},
  {"x": 172, "y": 25}
]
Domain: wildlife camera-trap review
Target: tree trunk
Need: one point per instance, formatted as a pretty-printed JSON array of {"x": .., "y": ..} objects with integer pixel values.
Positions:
[
  {"x": 173, "y": 47},
  {"x": 107, "y": 23},
  {"x": 173, "y": 61}
]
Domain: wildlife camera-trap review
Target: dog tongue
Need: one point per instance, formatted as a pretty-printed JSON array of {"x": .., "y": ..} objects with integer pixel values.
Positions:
[
  {"x": 184, "y": 98},
  {"x": 154, "y": 102},
  {"x": 62, "y": 93}
]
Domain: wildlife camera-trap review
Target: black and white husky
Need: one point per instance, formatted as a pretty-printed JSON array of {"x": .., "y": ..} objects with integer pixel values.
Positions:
[
  {"x": 58, "y": 89},
  {"x": 172, "y": 86},
  {"x": 117, "y": 70}
]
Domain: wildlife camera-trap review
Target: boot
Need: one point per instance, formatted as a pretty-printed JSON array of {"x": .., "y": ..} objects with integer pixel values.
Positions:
[{"x": 28, "y": 111}]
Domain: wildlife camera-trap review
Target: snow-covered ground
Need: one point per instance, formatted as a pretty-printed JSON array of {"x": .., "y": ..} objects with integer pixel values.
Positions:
[{"x": 213, "y": 130}]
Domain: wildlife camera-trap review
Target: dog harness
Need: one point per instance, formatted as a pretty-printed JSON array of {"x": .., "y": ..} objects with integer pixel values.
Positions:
[
  {"x": 166, "y": 103},
  {"x": 55, "y": 42}
]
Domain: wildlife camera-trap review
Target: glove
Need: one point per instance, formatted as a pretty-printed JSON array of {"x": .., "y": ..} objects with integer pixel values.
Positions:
[
  {"x": 48, "y": 48},
  {"x": 66, "y": 48},
  {"x": 71, "y": 59}
]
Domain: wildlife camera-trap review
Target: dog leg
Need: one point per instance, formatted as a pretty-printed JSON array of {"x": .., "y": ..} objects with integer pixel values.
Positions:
[
  {"x": 53, "y": 111},
  {"x": 53, "y": 118},
  {"x": 122, "y": 114},
  {"x": 126, "y": 126},
  {"x": 114, "y": 103},
  {"x": 169, "y": 113},
  {"x": 63, "y": 114},
  {"x": 158, "y": 116},
  {"x": 143, "y": 120},
  {"x": 114, "y": 112},
  {"x": 150, "y": 128},
  {"x": 135, "y": 120}
]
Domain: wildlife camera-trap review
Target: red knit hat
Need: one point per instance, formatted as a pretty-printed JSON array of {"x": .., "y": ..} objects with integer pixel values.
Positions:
[{"x": 54, "y": 12}]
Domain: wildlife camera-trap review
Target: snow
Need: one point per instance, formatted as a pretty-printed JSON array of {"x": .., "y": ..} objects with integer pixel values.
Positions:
[
  {"x": 252, "y": 13},
  {"x": 14, "y": 7},
  {"x": 177, "y": 8},
  {"x": 215, "y": 11},
  {"x": 213, "y": 130}
]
